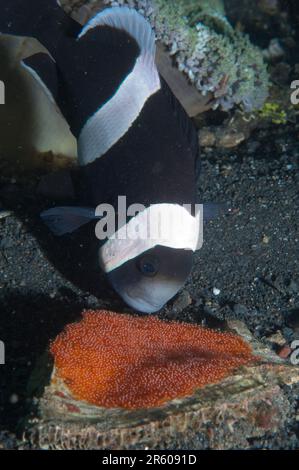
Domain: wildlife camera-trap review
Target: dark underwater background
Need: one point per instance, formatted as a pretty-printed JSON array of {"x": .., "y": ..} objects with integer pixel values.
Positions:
[{"x": 247, "y": 269}]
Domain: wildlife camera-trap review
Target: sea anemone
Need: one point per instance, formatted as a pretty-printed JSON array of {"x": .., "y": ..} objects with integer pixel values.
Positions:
[
  {"x": 216, "y": 58},
  {"x": 124, "y": 361}
]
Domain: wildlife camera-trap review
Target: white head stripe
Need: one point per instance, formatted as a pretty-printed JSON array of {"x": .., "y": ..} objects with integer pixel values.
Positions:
[
  {"x": 169, "y": 225},
  {"x": 114, "y": 118}
]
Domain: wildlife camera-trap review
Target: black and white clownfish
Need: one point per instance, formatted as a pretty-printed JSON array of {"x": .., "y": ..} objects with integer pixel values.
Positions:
[{"x": 134, "y": 140}]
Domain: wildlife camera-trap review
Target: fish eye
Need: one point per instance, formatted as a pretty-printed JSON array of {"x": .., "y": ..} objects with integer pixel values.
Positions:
[{"x": 148, "y": 265}]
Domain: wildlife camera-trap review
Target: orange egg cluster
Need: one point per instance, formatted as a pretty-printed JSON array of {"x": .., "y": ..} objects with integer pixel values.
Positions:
[{"x": 117, "y": 360}]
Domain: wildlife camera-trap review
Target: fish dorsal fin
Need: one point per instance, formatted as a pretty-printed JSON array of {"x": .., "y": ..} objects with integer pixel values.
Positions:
[
  {"x": 62, "y": 220},
  {"x": 111, "y": 122}
]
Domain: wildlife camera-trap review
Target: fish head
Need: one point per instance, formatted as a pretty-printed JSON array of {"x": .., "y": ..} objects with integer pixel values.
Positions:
[{"x": 147, "y": 282}]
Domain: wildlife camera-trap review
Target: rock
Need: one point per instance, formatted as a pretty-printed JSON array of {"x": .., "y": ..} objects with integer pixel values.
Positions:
[
  {"x": 254, "y": 401},
  {"x": 216, "y": 291},
  {"x": 182, "y": 301},
  {"x": 230, "y": 138},
  {"x": 231, "y": 133},
  {"x": 259, "y": 348},
  {"x": 284, "y": 352},
  {"x": 265, "y": 239},
  {"x": 277, "y": 339},
  {"x": 223, "y": 136},
  {"x": 207, "y": 138}
]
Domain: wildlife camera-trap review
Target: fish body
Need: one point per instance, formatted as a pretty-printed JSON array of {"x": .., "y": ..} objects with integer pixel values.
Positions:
[{"x": 134, "y": 140}]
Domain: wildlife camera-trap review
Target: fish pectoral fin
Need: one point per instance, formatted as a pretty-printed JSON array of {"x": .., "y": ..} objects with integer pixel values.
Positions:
[
  {"x": 43, "y": 69},
  {"x": 213, "y": 210},
  {"x": 62, "y": 220}
]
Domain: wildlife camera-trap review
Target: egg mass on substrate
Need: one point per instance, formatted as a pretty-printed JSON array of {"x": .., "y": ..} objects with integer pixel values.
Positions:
[{"x": 123, "y": 361}]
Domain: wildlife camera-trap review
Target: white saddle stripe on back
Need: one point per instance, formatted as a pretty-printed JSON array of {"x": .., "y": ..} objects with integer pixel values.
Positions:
[{"x": 114, "y": 118}]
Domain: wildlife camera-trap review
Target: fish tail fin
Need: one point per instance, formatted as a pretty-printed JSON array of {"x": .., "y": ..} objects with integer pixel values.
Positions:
[{"x": 42, "y": 19}]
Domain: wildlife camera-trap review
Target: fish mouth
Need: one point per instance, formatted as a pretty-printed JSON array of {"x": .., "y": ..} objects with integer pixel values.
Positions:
[{"x": 141, "y": 305}]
